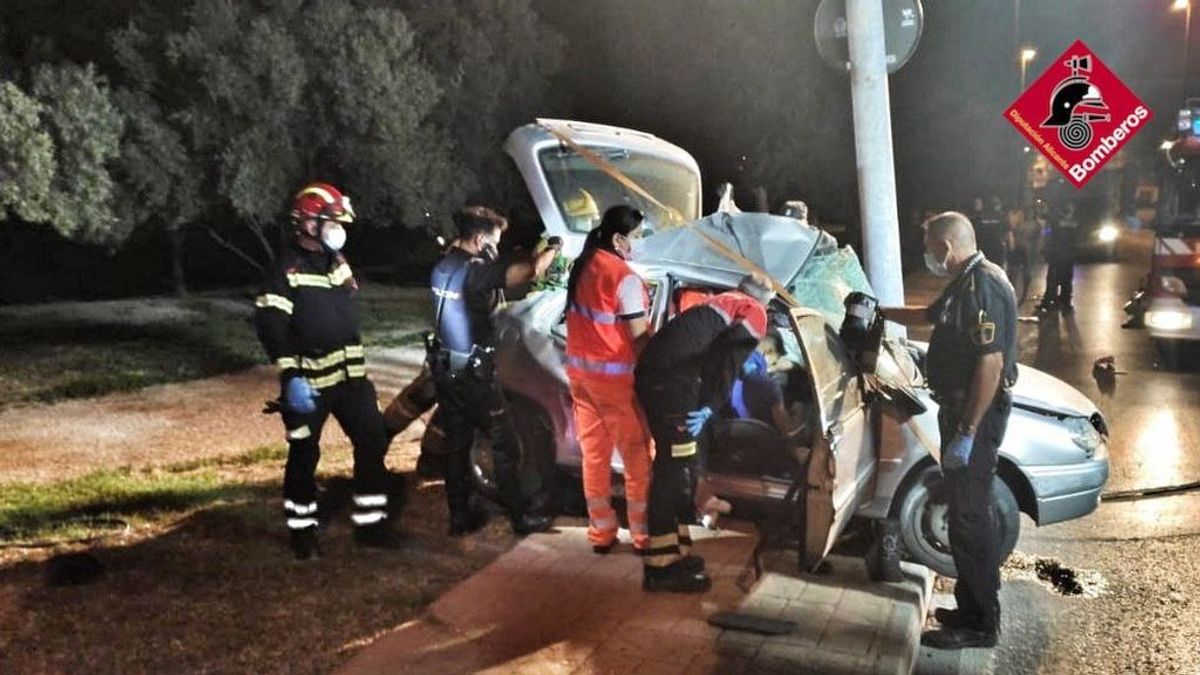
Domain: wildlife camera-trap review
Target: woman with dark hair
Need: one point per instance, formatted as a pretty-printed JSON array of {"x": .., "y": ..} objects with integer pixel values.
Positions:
[{"x": 607, "y": 323}]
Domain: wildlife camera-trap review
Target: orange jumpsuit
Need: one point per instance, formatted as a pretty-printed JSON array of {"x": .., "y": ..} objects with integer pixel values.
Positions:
[{"x": 600, "y": 363}]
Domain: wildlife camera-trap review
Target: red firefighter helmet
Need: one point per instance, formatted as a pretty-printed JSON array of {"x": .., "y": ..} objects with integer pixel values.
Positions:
[{"x": 322, "y": 200}]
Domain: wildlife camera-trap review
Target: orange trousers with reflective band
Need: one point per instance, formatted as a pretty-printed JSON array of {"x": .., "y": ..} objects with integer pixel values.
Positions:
[{"x": 608, "y": 417}]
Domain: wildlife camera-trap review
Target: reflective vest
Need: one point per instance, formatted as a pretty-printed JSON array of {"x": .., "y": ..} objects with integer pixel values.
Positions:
[
  {"x": 448, "y": 283},
  {"x": 598, "y": 338}
]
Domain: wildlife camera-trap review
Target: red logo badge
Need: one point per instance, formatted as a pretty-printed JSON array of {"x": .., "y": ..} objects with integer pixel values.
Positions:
[{"x": 1078, "y": 114}]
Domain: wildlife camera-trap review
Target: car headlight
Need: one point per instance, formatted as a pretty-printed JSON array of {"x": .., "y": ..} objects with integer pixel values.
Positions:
[
  {"x": 1108, "y": 234},
  {"x": 1084, "y": 433},
  {"x": 1169, "y": 319}
]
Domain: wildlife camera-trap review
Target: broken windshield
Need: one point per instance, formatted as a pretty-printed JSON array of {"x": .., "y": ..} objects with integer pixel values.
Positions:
[{"x": 582, "y": 191}]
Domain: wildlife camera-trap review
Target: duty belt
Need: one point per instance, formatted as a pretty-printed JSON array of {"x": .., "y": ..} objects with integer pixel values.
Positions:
[{"x": 478, "y": 360}]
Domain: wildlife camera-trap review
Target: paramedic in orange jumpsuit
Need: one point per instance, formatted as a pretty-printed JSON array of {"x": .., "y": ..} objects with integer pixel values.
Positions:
[{"x": 607, "y": 323}]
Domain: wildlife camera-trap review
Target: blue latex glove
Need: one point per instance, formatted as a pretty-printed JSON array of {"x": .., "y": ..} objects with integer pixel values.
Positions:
[
  {"x": 957, "y": 453},
  {"x": 697, "y": 419},
  {"x": 755, "y": 363},
  {"x": 300, "y": 396}
]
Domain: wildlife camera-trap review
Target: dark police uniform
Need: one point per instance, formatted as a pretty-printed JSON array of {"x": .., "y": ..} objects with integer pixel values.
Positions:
[
  {"x": 469, "y": 398},
  {"x": 1060, "y": 261},
  {"x": 992, "y": 230},
  {"x": 975, "y": 315},
  {"x": 305, "y": 320}
]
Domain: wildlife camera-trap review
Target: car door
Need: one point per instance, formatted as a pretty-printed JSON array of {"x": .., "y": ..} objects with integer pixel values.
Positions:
[{"x": 843, "y": 460}]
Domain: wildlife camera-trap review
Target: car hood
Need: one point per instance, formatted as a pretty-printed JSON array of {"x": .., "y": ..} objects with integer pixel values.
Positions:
[{"x": 1041, "y": 391}]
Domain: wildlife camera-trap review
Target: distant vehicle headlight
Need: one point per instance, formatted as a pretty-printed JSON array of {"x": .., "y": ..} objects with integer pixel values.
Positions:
[
  {"x": 1084, "y": 434},
  {"x": 1108, "y": 234},
  {"x": 1169, "y": 319}
]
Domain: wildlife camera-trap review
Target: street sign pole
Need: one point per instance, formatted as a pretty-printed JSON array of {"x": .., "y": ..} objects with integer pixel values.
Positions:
[{"x": 873, "y": 150}]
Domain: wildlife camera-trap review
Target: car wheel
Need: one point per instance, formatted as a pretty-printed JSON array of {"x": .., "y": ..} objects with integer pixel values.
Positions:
[
  {"x": 924, "y": 522},
  {"x": 537, "y": 470},
  {"x": 1168, "y": 353}
]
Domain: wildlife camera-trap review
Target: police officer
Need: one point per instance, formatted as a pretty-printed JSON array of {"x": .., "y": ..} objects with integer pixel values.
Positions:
[
  {"x": 1060, "y": 261},
  {"x": 464, "y": 284},
  {"x": 685, "y": 373},
  {"x": 993, "y": 233},
  {"x": 972, "y": 365},
  {"x": 305, "y": 321}
]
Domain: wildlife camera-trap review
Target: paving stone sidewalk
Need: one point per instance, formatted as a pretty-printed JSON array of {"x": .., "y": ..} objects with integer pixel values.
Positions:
[{"x": 552, "y": 606}]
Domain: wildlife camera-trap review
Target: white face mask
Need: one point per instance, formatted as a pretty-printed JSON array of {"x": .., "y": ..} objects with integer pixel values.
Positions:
[
  {"x": 938, "y": 268},
  {"x": 637, "y": 247},
  {"x": 489, "y": 250},
  {"x": 334, "y": 237}
]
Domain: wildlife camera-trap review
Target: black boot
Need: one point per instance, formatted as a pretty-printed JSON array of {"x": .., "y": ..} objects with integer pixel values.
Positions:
[
  {"x": 674, "y": 578},
  {"x": 529, "y": 523},
  {"x": 954, "y": 618},
  {"x": 693, "y": 563},
  {"x": 304, "y": 544},
  {"x": 378, "y": 535},
  {"x": 959, "y": 638},
  {"x": 471, "y": 521}
]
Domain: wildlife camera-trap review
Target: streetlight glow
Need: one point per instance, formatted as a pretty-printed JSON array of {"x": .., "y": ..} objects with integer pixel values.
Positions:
[
  {"x": 1166, "y": 145},
  {"x": 1180, "y": 5},
  {"x": 1028, "y": 54}
]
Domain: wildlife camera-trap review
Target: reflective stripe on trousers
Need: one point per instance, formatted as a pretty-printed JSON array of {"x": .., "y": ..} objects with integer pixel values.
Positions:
[{"x": 608, "y": 418}]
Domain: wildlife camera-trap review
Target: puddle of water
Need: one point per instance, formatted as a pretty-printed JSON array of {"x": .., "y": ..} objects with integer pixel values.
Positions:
[{"x": 1055, "y": 576}]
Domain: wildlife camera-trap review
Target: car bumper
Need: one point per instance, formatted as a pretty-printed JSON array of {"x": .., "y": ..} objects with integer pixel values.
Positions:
[
  {"x": 1172, "y": 321},
  {"x": 1067, "y": 491}
]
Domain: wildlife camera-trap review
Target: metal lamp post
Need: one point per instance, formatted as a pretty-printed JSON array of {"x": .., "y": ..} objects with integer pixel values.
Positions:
[
  {"x": 1026, "y": 56},
  {"x": 1185, "y": 6}
]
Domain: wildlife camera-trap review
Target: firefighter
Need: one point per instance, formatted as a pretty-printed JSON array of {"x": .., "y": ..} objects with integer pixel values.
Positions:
[
  {"x": 607, "y": 324},
  {"x": 581, "y": 211},
  {"x": 461, "y": 350},
  {"x": 685, "y": 373},
  {"x": 971, "y": 366},
  {"x": 305, "y": 321}
]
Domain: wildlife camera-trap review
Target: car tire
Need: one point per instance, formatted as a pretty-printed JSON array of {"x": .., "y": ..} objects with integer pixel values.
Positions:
[
  {"x": 537, "y": 469},
  {"x": 923, "y": 524},
  {"x": 1168, "y": 353}
]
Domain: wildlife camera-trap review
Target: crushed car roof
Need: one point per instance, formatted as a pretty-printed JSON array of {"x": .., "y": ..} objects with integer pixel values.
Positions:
[{"x": 778, "y": 245}]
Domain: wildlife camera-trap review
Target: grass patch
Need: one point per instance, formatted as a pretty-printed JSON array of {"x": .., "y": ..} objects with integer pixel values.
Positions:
[
  {"x": 256, "y": 456},
  {"x": 80, "y": 507},
  {"x": 78, "y": 350}
]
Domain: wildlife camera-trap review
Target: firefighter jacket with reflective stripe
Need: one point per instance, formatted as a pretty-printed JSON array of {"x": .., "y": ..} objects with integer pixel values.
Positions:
[
  {"x": 305, "y": 318},
  {"x": 697, "y": 356},
  {"x": 607, "y": 296}
]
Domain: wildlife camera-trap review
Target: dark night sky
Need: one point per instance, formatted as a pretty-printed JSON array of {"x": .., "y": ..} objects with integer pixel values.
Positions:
[
  {"x": 724, "y": 78},
  {"x": 686, "y": 69}
]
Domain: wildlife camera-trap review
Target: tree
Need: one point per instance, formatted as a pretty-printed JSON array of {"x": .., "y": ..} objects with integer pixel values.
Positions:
[
  {"x": 493, "y": 59},
  {"x": 252, "y": 101},
  {"x": 79, "y": 115},
  {"x": 26, "y": 156}
]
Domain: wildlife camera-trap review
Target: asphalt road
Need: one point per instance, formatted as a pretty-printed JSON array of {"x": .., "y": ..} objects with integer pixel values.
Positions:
[{"x": 1142, "y": 555}]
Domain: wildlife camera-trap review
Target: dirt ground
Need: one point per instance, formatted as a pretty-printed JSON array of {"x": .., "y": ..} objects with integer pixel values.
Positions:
[
  {"x": 166, "y": 424},
  {"x": 215, "y": 589}
]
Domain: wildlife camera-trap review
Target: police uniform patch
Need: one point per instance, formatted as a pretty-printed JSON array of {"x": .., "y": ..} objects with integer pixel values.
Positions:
[{"x": 983, "y": 333}]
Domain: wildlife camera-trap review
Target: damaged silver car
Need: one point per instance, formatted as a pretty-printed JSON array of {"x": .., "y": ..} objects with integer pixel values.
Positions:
[{"x": 871, "y": 440}]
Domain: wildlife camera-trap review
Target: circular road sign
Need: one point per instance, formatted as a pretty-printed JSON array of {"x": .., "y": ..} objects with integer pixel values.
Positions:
[{"x": 903, "y": 21}]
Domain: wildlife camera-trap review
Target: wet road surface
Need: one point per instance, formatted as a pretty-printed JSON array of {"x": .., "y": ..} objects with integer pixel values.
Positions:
[{"x": 1147, "y": 617}]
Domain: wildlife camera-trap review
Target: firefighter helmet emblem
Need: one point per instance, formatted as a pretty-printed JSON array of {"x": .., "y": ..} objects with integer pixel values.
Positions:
[{"x": 1076, "y": 104}]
